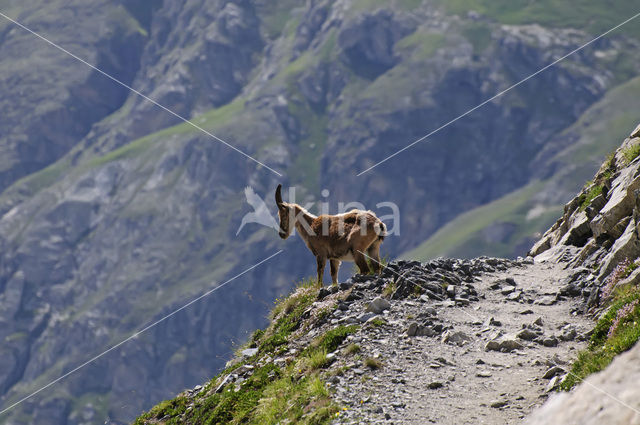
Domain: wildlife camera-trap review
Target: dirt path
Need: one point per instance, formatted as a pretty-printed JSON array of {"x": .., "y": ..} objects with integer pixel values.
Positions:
[{"x": 425, "y": 380}]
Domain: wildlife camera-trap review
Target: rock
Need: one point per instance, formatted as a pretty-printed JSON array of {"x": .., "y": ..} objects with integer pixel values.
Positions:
[
  {"x": 620, "y": 204},
  {"x": 458, "y": 338},
  {"x": 546, "y": 300},
  {"x": 514, "y": 296},
  {"x": 635, "y": 133},
  {"x": 483, "y": 374},
  {"x": 507, "y": 290},
  {"x": 506, "y": 343},
  {"x": 527, "y": 311},
  {"x": 553, "y": 383},
  {"x": 538, "y": 321},
  {"x": 527, "y": 334},
  {"x": 496, "y": 404},
  {"x": 551, "y": 341},
  {"x": 588, "y": 403},
  {"x": 366, "y": 316},
  {"x": 249, "y": 352},
  {"x": 378, "y": 305},
  {"x": 322, "y": 293},
  {"x": 491, "y": 322},
  {"x": 435, "y": 385},
  {"x": 553, "y": 371},
  {"x": 569, "y": 333}
]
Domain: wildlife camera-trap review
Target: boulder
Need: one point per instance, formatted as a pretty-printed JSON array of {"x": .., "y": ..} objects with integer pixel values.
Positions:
[
  {"x": 627, "y": 246},
  {"x": 506, "y": 343},
  {"x": 636, "y": 132},
  {"x": 620, "y": 204},
  {"x": 378, "y": 305},
  {"x": 591, "y": 404}
]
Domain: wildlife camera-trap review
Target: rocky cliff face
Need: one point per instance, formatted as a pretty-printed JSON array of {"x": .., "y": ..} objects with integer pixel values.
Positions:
[
  {"x": 599, "y": 227},
  {"x": 136, "y": 214},
  {"x": 454, "y": 341}
]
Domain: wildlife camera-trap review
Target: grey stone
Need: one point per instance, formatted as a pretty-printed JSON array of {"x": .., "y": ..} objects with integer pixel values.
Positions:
[
  {"x": 378, "y": 305},
  {"x": 587, "y": 404},
  {"x": 249, "y": 352},
  {"x": 553, "y": 371},
  {"x": 551, "y": 341},
  {"x": 506, "y": 343},
  {"x": 527, "y": 335},
  {"x": 458, "y": 338},
  {"x": 496, "y": 404}
]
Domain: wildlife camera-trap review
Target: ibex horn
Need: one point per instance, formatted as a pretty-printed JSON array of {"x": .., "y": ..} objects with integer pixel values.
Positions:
[{"x": 279, "y": 196}]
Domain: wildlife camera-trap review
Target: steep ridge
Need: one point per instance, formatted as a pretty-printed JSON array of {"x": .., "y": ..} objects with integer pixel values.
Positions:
[
  {"x": 449, "y": 341},
  {"x": 140, "y": 216}
]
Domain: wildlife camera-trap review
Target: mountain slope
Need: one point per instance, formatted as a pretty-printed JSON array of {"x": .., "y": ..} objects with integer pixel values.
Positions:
[{"x": 140, "y": 215}]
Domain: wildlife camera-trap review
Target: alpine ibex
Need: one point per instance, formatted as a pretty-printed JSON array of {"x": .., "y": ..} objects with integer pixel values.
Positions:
[{"x": 341, "y": 237}]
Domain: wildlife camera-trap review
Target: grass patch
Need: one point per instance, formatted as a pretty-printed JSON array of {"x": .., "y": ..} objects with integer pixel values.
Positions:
[
  {"x": 286, "y": 317},
  {"x": 331, "y": 340},
  {"x": 352, "y": 349},
  {"x": 378, "y": 322},
  {"x": 551, "y": 13},
  {"x": 372, "y": 363},
  {"x": 631, "y": 153},
  {"x": 616, "y": 332},
  {"x": 592, "y": 194}
]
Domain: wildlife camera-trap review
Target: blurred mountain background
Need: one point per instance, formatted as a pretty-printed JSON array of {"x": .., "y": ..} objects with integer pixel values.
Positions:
[{"x": 113, "y": 212}]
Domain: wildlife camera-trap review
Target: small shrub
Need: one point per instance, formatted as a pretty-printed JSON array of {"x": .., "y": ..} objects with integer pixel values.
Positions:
[
  {"x": 352, "y": 349},
  {"x": 631, "y": 153},
  {"x": 377, "y": 322},
  {"x": 317, "y": 359},
  {"x": 389, "y": 290},
  {"x": 592, "y": 194},
  {"x": 372, "y": 363}
]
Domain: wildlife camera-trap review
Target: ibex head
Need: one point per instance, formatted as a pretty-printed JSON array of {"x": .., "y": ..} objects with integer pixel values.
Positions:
[{"x": 285, "y": 214}]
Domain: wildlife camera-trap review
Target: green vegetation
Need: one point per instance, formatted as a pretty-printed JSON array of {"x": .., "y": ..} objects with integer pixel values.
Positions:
[
  {"x": 332, "y": 339},
  {"x": 389, "y": 289},
  {"x": 553, "y": 13},
  {"x": 422, "y": 44},
  {"x": 372, "y": 363},
  {"x": 617, "y": 331},
  {"x": 213, "y": 119},
  {"x": 593, "y": 193},
  {"x": 479, "y": 35},
  {"x": 378, "y": 322},
  {"x": 294, "y": 393},
  {"x": 466, "y": 231},
  {"x": 286, "y": 318},
  {"x": 631, "y": 153},
  {"x": 352, "y": 349}
]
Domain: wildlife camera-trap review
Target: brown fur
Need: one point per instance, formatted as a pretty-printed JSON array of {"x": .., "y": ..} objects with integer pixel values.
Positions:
[{"x": 342, "y": 237}]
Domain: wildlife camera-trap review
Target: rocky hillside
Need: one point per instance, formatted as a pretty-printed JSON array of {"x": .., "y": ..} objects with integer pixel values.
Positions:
[
  {"x": 113, "y": 213},
  {"x": 455, "y": 341}
]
